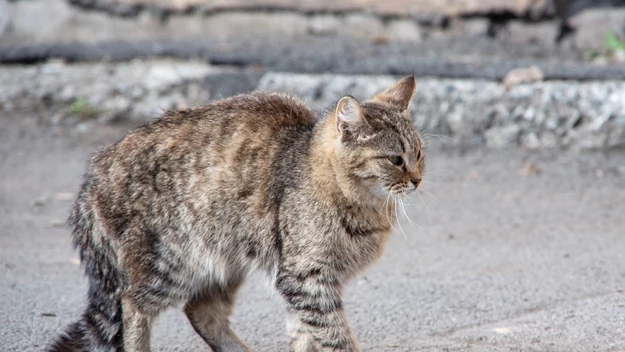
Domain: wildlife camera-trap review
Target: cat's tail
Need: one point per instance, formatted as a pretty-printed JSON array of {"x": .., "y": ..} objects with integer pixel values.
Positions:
[
  {"x": 98, "y": 330},
  {"x": 100, "y": 327}
]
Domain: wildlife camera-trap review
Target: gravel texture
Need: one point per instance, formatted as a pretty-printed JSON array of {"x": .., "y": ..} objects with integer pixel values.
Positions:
[
  {"x": 577, "y": 115},
  {"x": 456, "y": 113},
  {"x": 82, "y": 92}
]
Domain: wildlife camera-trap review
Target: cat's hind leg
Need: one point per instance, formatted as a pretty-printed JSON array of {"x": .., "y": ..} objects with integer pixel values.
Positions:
[
  {"x": 209, "y": 315},
  {"x": 136, "y": 327}
]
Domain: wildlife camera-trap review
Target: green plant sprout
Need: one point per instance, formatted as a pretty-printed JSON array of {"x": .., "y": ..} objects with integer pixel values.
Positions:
[{"x": 82, "y": 109}]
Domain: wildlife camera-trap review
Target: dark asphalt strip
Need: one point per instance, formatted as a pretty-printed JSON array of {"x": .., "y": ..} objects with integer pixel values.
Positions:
[{"x": 322, "y": 55}]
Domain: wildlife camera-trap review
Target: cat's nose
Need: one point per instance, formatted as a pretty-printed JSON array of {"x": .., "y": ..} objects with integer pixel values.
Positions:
[{"x": 416, "y": 181}]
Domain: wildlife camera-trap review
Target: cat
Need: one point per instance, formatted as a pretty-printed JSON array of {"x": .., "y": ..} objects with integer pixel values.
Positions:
[{"x": 182, "y": 208}]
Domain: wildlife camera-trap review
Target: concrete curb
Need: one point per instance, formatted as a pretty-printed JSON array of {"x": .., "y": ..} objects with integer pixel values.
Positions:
[{"x": 316, "y": 55}]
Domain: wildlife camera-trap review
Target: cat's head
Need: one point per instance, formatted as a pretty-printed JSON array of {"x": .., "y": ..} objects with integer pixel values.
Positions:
[{"x": 377, "y": 144}]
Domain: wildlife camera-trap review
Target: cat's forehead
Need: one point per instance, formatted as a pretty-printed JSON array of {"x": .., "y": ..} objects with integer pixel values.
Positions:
[
  {"x": 382, "y": 113},
  {"x": 390, "y": 125}
]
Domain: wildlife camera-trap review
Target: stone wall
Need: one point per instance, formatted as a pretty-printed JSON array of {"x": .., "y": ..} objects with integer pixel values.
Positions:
[{"x": 524, "y": 22}]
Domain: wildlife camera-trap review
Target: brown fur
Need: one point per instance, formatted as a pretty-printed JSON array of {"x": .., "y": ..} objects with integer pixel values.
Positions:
[{"x": 181, "y": 209}]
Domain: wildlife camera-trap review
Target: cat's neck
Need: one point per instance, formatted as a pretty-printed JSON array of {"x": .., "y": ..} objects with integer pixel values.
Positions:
[{"x": 333, "y": 182}]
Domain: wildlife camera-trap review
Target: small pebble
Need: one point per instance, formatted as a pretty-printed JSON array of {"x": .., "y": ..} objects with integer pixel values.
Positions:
[
  {"x": 523, "y": 75},
  {"x": 38, "y": 202},
  {"x": 57, "y": 223},
  {"x": 502, "y": 330},
  {"x": 529, "y": 170}
]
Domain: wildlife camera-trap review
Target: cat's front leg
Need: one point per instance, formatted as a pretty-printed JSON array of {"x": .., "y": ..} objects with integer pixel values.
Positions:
[
  {"x": 315, "y": 306},
  {"x": 300, "y": 339}
]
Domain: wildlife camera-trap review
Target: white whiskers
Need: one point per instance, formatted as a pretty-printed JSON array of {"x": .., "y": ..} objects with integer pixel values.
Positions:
[
  {"x": 425, "y": 135},
  {"x": 432, "y": 197},
  {"x": 403, "y": 208},
  {"x": 396, "y": 217},
  {"x": 386, "y": 204},
  {"x": 427, "y": 210},
  {"x": 401, "y": 200}
]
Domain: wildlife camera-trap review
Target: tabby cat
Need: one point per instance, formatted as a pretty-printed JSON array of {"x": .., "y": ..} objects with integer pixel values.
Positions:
[{"x": 184, "y": 207}]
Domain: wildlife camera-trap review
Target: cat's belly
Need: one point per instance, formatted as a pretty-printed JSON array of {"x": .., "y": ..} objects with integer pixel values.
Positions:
[{"x": 197, "y": 261}]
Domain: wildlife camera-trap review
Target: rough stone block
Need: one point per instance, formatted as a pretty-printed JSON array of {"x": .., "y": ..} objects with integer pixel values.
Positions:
[
  {"x": 591, "y": 26},
  {"x": 5, "y": 16},
  {"x": 543, "y": 33},
  {"x": 96, "y": 27},
  {"x": 40, "y": 21},
  {"x": 233, "y": 24},
  {"x": 404, "y": 30},
  {"x": 470, "y": 27},
  {"x": 37, "y": 21},
  {"x": 361, "y": 26},
  {"x": 324, "y": 25}
]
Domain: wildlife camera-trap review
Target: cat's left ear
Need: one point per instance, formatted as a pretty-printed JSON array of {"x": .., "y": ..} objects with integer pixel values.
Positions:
[
  {"x": 399, "y": 95},
  {"x": 348, "y": 115}
]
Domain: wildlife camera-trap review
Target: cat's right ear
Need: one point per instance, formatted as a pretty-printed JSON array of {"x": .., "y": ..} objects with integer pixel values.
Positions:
[
  {"x": 348, "y": 115},
  {"x": 400, "y": 94}
]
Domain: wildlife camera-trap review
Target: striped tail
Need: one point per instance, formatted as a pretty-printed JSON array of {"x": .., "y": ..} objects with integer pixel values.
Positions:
[{"x": 100, "y": 327}]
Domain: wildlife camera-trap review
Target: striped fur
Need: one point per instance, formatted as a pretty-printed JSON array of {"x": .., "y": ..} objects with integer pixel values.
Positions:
[{"x": 183, "y": 208}]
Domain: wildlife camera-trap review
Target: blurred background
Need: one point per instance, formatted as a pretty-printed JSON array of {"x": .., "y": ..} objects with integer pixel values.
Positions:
[
  {"x": 114, "y": 60},
  {"x": 514, "y": 243}
]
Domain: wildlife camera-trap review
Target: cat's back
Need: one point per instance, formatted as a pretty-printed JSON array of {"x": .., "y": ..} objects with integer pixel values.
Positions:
[
  {"x": 241, "y": 145},
  {"x": 260, "y": 118},
  {"x": 257, "y": 112},
  {"x": 260, "y": 109}
]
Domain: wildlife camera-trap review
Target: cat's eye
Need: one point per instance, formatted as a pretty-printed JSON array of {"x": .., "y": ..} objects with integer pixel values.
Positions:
[
  {"x": 419, "y": 155},
  {"x": 396, "y": 159}
]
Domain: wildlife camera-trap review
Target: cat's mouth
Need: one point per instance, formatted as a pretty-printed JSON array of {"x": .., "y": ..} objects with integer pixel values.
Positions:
[{"x": 401, "y": 188}]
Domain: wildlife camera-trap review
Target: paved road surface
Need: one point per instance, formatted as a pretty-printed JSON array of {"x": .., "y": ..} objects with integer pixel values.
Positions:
[{"x": 510, "y": 260}]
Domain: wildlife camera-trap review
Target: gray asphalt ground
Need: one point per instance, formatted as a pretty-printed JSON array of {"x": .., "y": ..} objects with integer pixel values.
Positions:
[{"x": 516, "y": 251}]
